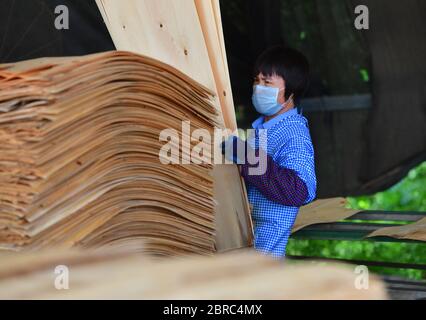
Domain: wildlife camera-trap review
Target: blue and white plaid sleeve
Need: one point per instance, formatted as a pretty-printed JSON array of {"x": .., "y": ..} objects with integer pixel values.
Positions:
[{"x": 297, "y": 153}]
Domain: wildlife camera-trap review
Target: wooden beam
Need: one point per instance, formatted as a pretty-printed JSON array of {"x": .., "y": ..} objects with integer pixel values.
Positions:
[{"x": 187, "y": 37}]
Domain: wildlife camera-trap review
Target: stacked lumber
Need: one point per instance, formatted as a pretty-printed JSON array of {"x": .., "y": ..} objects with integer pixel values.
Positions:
[
  {"x": 79, "y": 156},
  {"x": 240, "y": 275},
  {"x": 187, "y": 34}
]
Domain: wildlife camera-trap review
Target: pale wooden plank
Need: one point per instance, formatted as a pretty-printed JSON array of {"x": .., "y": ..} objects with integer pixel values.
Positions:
[
  {"x": 322, "y": 211},
  {"x": 213, "y": 36},
  {"x": 237, "y": 275},
  {"x": 172, "y": 32}
]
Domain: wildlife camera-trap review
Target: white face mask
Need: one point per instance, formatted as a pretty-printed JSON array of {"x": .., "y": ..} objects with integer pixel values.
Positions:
[{"x": 265, "y": 100}]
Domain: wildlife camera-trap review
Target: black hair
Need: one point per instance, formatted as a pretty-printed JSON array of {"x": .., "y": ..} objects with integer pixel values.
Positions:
[{"x": 287, "y": 63}]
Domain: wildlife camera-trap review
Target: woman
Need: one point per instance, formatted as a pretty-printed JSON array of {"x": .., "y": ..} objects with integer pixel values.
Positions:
[{"x": 288, "y": 181}]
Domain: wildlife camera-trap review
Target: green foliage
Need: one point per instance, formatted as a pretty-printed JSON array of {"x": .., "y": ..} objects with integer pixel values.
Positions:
[
  {"x": 365, "y": 75},
  {"x": 407, "y": 195}
]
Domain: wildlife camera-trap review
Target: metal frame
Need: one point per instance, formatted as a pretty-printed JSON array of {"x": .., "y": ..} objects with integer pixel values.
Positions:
[
  {"x": 356, "y": 228},
  {"x": 337, "y": 103}
]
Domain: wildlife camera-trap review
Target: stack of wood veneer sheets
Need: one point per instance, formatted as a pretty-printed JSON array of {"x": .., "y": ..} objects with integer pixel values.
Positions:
[
  {"x": 244, "y": 274},
  {"x": 79, "y": 156}
]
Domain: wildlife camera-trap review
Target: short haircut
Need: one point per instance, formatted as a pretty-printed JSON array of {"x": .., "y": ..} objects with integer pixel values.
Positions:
[{"x": 288, "y": 63}]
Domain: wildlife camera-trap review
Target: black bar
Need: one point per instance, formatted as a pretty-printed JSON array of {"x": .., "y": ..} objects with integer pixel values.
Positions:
[{"x": 397, "y": 265}]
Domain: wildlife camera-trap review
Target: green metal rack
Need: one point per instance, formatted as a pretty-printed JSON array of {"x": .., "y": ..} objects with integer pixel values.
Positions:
[{"x": 356, "y": 228}]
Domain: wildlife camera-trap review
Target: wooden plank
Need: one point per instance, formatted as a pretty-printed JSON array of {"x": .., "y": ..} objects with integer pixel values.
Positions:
[
  {"x": 218, "y": 19},
  {"x": 209, "y": 15},
  {"x": 322, "y": 216},
  {"x": 231, "y": 233},
  {"x": 240, "y": 275},
  {"x": 211, "y": 24},
  {"x": 322, "y": 211},
  {"x": 107, "y": 186},
  {"x": 166, "y": 30},
  {"x": 413, "y": 231},
  {"x": 171, "y": 32}
]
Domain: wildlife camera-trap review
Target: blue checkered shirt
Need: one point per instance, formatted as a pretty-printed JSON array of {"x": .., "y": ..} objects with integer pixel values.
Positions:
[{"x": 289, "y": 144}]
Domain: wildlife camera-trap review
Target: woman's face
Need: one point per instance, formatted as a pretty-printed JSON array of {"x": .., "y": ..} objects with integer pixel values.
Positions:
[{"x": 274, "y": 81}]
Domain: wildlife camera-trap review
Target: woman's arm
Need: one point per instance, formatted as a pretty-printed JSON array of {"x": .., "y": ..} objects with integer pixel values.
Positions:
[{"x": 278, "y": 184}]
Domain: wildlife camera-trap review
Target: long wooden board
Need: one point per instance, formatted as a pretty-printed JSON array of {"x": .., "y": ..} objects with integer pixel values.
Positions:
[
  {"x": 211, "y": 25},
  {"x": 187, "y": 37},
  {"x": 240, "y": 275}
]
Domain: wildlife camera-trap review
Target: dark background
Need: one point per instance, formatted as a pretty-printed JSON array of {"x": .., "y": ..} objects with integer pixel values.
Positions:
[{"x": 366, "y": 104}]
